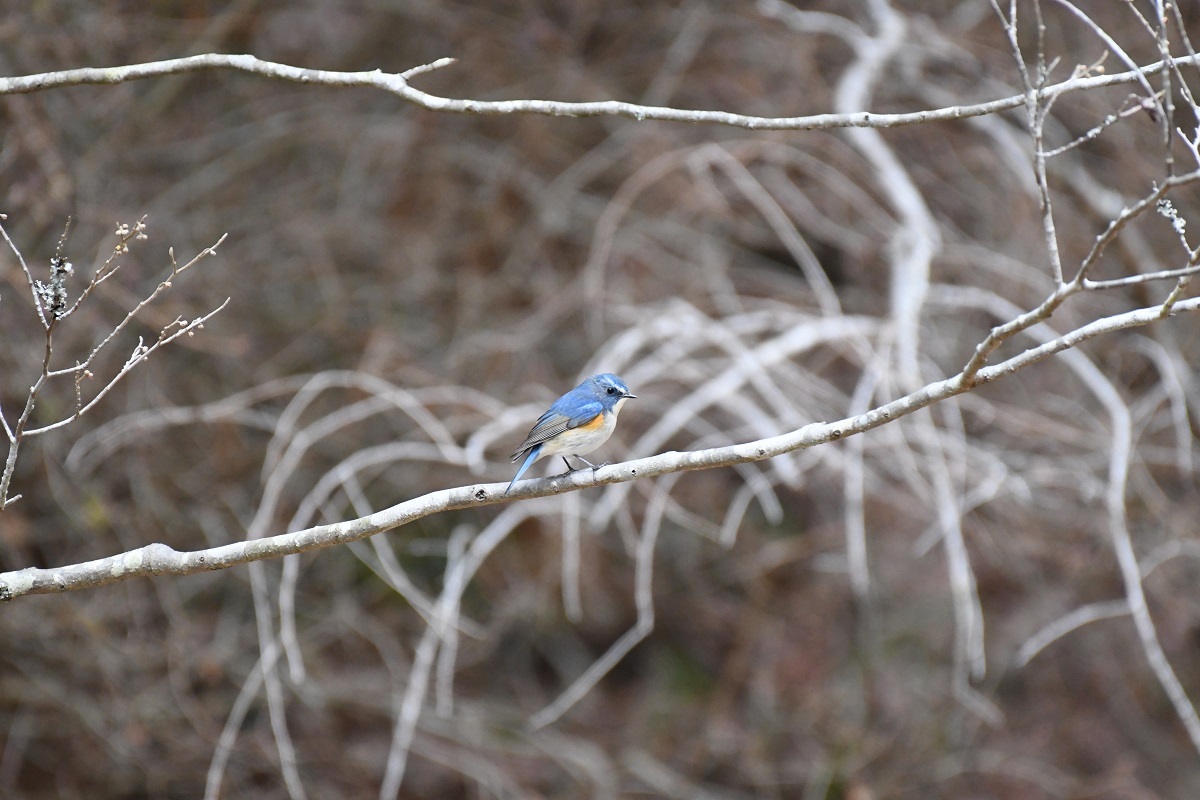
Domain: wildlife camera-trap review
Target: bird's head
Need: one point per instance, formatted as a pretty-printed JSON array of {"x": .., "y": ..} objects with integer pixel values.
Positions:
[{"x": 609, "y": 390}]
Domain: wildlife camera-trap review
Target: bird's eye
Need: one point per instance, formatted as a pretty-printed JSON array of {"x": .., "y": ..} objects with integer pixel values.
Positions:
[{"x": 611, "y": 390}]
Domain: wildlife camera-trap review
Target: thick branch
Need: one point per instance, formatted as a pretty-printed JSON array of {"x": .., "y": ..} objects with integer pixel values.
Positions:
[{"x": 159, "y": 559}]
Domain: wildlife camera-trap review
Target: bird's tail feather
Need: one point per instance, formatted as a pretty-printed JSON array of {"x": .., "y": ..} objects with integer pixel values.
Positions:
[{"x": 529, "y": 459}]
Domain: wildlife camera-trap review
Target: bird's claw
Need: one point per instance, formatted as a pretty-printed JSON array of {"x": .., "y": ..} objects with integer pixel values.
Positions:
[{"x": 594, "y": 467}]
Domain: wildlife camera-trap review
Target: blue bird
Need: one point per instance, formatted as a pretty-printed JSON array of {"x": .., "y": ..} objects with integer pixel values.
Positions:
[{"x": 578, "y": 422}]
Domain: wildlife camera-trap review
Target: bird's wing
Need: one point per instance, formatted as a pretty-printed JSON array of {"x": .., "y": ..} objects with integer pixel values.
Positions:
[
  {"x": 585, "y": 414},
  {"x": 555, "y": 421}
]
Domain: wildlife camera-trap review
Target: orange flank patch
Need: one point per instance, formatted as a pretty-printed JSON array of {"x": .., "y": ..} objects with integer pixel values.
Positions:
[{"x": 593, "y": 425}]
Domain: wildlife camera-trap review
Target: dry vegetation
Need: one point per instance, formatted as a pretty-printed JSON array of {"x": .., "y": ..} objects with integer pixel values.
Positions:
[{"x": 991, "y": 597}]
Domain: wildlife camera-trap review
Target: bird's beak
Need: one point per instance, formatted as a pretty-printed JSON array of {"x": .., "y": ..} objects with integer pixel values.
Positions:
[{"x": 630, "y": 397}]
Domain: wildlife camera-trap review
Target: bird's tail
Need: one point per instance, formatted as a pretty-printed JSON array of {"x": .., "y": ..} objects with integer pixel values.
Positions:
[{"x": 529, "y": 459}]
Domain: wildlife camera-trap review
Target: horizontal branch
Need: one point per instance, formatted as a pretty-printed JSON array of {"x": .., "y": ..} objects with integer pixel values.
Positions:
[
  {"x": 397, "y": 83},
  {"x": 159, "y": 559}
]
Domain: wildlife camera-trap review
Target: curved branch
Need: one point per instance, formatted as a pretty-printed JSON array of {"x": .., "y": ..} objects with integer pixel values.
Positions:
[{"x": 160, "y": 559}]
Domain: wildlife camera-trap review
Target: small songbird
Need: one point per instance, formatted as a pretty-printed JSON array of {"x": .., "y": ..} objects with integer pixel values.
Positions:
[{"x": 578, "y": 422}]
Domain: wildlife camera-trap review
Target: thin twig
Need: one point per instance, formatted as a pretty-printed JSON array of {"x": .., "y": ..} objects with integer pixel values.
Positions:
[{"x": 398, "y": 84}]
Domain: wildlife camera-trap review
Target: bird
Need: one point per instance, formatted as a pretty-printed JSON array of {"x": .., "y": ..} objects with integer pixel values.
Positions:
[{"x": 576, "y": 424}]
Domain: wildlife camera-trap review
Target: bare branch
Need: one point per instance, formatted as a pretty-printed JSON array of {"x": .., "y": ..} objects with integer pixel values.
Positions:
[
  {"x": 159, "y": 559},
  {"x": 37, "y": 301},
  {"x": 396, "y": 83},
  {"x": 1109, "y": 609},
  {"x": 50, "y": 300},
  {"x": 139, "y": 354}
]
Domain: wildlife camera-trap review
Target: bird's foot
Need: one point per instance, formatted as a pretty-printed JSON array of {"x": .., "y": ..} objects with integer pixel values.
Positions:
[{"x": 594, "y": 467}]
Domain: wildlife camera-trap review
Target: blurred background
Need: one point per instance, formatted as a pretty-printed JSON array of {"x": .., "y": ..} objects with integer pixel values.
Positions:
[{"x": 931, "y": 609}]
